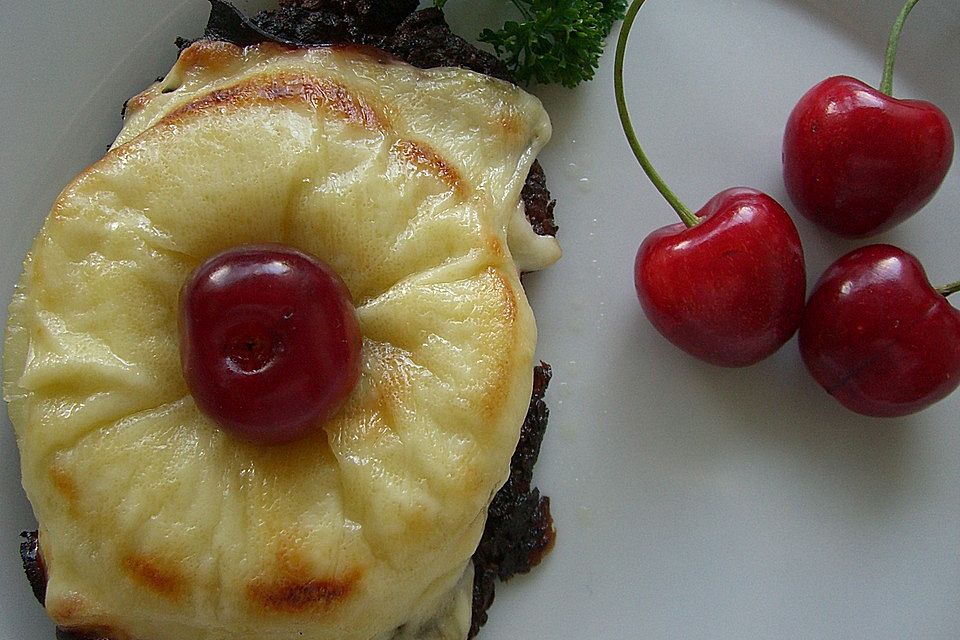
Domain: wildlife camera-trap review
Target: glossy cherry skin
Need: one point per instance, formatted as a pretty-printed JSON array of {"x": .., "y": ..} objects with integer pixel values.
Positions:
[
  {"x": 269, "y": 342},
  {"x": 857, "y": 161},
  {"x": 730, "y": 289},
  {"x": 878, "y": 337}
]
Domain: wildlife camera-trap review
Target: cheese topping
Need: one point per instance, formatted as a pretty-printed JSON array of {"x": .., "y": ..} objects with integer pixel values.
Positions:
[{"x": 154, "y": 524}]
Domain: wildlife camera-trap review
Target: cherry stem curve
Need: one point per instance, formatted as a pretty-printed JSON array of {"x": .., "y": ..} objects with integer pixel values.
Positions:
[
  {"x": 886, "y": 83},
  {"x": 947, "y": 289},
  {"x": 688, "y": 217}
]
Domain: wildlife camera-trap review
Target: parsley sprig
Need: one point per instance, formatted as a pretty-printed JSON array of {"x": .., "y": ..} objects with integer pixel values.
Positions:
[{"x": 555, "y": 41}]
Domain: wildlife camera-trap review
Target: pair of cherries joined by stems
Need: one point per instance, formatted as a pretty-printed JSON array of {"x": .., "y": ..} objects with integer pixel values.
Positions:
[{"x": 728, "y": 284}]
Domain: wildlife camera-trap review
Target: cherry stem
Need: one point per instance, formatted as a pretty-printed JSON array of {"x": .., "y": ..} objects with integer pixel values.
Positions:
[
  {"x": 688, "y": 217},
  {"x": 947, "y": 289},
  {"x": 886, "y": 84}
]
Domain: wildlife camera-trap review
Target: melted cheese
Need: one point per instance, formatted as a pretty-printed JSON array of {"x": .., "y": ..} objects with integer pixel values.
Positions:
[{"x": 156, "y": 525}]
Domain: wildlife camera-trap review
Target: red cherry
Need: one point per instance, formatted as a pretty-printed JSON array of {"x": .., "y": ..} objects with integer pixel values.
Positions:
[
  {"x": 729, "y": 290},
  {"x": 728, "y": 284},
  {"x": 878, "y": 337},
  {"x": 269, "y": 341},
  {"x": 858, "y": 161}
]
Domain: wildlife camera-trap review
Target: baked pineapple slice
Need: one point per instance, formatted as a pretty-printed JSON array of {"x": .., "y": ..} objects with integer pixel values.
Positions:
[{"x": 157, "y": 525}]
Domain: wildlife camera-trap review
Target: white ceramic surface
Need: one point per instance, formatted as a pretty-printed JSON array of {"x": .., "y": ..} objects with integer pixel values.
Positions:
[{"x": 691, "y": 502}]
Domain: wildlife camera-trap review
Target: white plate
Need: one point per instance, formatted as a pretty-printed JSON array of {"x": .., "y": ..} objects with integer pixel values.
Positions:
[{"x": 692, "y": 502}]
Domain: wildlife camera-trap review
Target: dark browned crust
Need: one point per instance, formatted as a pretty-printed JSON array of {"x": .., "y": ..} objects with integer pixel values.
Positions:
[
  {"x": 424, "y": 39},
  {"x": 519, "y": 530},
  {"x": 538, "y": 203},
  {"x": 67, "y": 634},
  {"x": 421, "y": 38},
  {"x": 33, "y": 564},
  {"x": 329, "y": 21}
]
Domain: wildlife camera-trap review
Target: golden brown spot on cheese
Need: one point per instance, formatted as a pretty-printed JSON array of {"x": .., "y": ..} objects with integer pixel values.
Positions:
[
  {"x": 287, "y": 88},
  {"x": 294, "y": 587},
  {"x": 419, "y": 522},
  {"x": 472, "y": 479},
  {"x": 496, "y": 386},
  {"x": 509, "y": 122},
  {"x": 72, "y": 612},
  {"x": 141, "y": 100},
  {"x": 494, "y": 246},
  {"x": 65, "y": 485},
  {"x": 298, "y": 595},
  {"x": 210, "y": 55},
  {"x": 154, "y": 574},
  {"x": 426, "y": 159},
  {"x": 65, "y": 609},
  {"x": 508, "y": 295}
]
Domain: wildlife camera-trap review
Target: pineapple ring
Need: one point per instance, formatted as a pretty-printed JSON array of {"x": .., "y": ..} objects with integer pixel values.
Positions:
[{"x": 155, "y": 524}]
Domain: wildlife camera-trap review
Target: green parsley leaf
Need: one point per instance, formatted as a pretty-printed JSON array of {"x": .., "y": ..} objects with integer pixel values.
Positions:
[{"x": 556, "y": 41}]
